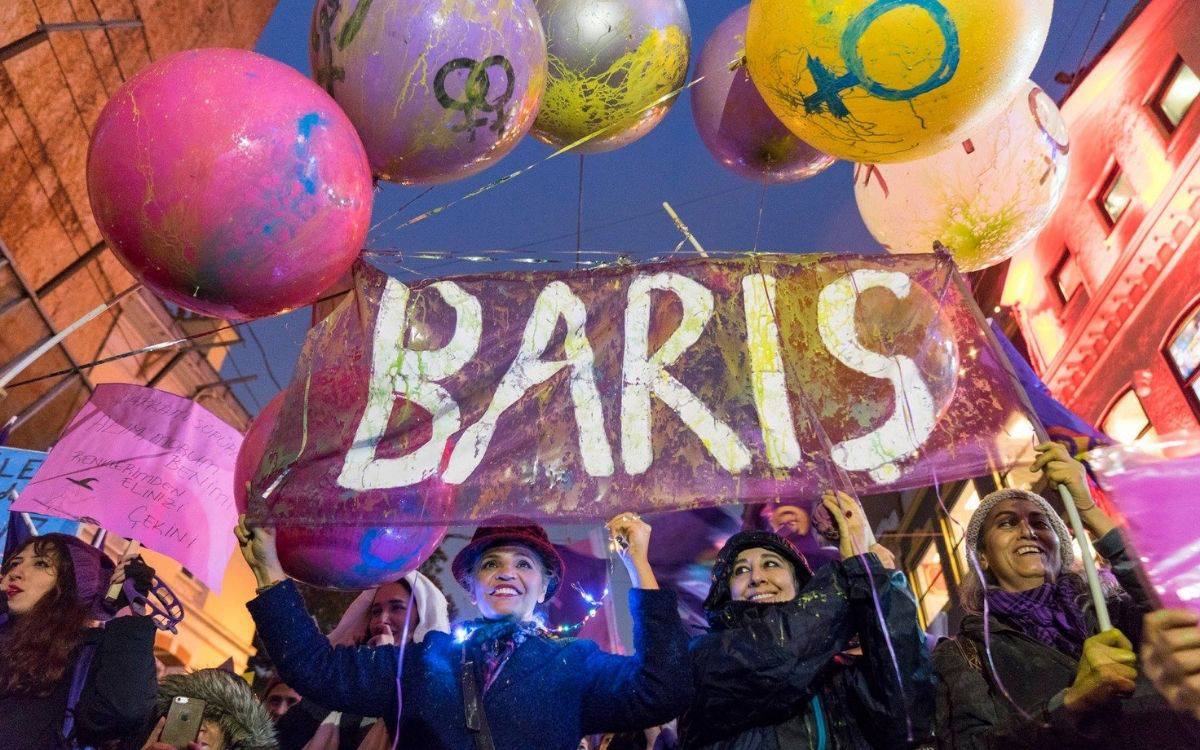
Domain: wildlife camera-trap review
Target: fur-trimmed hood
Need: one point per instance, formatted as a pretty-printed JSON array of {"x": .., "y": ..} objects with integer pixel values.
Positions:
[{"x": 229, "y": 702}]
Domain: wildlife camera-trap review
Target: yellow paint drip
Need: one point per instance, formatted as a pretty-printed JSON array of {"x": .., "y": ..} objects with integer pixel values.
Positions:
[{"x": 577, "y": 103}]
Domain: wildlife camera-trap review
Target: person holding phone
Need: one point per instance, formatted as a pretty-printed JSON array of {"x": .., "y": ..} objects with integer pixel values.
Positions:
[
  {"x": 70, "y": 672},
  {"x": 502, "y": 681},
  {"x": 209, "y": 709}
]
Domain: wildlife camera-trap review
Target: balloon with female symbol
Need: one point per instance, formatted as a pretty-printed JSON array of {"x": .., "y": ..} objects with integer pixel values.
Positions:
[
  {"x": 338, "y": 557},
  {"x": 613, "y": 65},
  {"x": 438, "y": 89},
  {"x": 984, "y": 198},
  {"x": 733, "y": 120},
  {"x": 879, "y": 81}
]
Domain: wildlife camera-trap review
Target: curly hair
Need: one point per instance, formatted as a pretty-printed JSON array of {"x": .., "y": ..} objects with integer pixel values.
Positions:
[{"x": 38, "y": 646}]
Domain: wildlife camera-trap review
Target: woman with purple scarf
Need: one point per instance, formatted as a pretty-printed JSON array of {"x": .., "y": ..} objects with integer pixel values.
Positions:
[{"x": 1028, "y": 668}]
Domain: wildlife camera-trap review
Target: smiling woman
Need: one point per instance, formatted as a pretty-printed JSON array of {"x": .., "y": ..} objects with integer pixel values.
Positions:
[
  {"x": 777, "y": 670},
  {"x": 1051, "y": 679},
  {"x": 502, "y": 681}
]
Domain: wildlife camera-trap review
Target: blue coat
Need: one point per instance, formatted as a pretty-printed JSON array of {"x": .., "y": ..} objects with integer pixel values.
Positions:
[{"x": 549, "y": 694}]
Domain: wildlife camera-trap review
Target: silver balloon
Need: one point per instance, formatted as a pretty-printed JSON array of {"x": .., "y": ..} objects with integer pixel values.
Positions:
[{"x": 608, "y": 60}]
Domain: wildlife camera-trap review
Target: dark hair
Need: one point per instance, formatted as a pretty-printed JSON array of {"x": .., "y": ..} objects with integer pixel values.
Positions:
[{"x": 38, "y": 645}]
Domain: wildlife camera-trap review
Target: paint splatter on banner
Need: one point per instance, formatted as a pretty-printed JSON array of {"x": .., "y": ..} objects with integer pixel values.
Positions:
[{"x": 680, "y": 384}]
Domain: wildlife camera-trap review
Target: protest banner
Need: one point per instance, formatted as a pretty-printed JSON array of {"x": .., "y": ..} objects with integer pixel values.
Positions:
[
  {"x": 148, "y": 465},
  {"x": 679, "y": 384},
  {"x": 17, "y": 467}
]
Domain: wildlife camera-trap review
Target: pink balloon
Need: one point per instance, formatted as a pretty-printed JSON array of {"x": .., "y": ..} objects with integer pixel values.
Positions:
[
  {"x": 735, "y": 123},
  {"x": 339, "y": 557},
  {"x": 229, "y": 183}
]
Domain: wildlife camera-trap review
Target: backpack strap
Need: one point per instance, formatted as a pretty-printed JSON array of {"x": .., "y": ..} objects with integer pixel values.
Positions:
[{"x": 79, "y": 677}]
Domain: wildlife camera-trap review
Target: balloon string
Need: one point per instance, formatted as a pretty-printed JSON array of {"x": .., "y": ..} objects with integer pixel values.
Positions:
[
  {"x": 762, "y": 196},
  {"x": 937, "y": 490},
  {"x": 579, "y": 216},
  {"x": 840, "y": 480},
  {"x": 574, "y": 144}
]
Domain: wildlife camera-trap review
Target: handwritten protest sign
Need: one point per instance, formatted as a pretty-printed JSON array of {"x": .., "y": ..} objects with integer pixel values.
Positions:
[
  {"x": 679, "y": 384},
  {"x": 17, "y": 467},
  {"x": 147, "y": 465}
]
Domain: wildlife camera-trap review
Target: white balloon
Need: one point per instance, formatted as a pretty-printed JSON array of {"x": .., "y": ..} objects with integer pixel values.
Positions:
[{"x": 984, "y": 198}]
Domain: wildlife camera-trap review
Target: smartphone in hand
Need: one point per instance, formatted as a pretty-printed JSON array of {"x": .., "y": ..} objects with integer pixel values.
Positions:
[{"x": 183, "y": 722}]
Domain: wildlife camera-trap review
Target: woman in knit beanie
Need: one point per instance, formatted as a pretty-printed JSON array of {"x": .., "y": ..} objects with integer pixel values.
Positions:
[{"x": 1028, "y": 667}]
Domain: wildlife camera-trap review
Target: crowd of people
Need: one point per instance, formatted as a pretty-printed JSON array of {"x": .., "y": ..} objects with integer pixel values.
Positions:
[{"x": 794, "y": 657}]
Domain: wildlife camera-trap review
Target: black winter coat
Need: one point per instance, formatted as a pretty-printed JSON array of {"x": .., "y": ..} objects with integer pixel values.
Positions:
[
  {"x": 972, "y": 712},
  {"x": 549, "y": 694},
  {"x": 116, "y": 700},
  {"x": 772, "y": 676}
]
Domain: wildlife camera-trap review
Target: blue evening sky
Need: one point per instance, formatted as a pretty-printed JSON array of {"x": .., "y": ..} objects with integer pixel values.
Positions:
[{"x": 623, "y": 191}]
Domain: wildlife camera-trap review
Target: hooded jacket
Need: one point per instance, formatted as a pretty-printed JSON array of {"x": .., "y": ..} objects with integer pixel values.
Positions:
[
  {"x": 118, "y": 691},
  {"x": 974, "y": 714},
  {"x": 773, "y": 676},
  {"x": 229, "y": 702}
]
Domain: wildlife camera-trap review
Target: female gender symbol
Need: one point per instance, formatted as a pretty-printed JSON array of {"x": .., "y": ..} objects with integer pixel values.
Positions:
[{"x": 829, "y": 86}]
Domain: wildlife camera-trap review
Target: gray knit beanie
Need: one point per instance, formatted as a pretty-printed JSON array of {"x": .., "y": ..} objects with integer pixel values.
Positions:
[{"x": 975, "y": 525}]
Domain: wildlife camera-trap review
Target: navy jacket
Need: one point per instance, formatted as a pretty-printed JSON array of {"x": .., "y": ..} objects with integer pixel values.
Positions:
[
  {"x": 549, "y": 694},
  {"x": 773, "y": 676}
]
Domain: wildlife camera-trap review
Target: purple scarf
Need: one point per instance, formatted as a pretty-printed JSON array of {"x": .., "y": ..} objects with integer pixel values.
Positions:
[
  {"x": 496, "y": 641},
  {"x": 1048, "y": 613}
]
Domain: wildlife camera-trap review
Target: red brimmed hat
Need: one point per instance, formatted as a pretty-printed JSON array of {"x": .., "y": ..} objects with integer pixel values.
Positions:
[{"x": 517, "y": 531}]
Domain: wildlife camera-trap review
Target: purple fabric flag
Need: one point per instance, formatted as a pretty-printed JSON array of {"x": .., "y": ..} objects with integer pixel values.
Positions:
[{"x": 1063, "y": 425}]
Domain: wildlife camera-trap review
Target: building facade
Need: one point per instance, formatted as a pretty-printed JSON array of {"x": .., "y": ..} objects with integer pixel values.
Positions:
[
  {"x": 1106, "y": 301},
  {"x": 59, "y": 63}
]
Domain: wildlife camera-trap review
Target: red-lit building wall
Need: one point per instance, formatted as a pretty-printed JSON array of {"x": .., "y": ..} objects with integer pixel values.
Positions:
[{"x": 1140, "y": 275}]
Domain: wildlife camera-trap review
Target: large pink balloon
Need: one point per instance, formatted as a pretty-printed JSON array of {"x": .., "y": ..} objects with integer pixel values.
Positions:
[
  {"x": 229, "y": 183},
  {"x": 735, "y": 123},
  {"x": 339, "y": 557}
]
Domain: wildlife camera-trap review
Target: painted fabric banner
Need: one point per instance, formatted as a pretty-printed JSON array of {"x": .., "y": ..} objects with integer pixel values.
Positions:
[
  {"x": 148, "y": 465},
  {"x": 680, "y": 384}
]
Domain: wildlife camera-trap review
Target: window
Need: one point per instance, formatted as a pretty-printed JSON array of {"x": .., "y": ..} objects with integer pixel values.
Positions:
[
  {"x": 1116, "y": 195},
  {"x": 1066, "y": 277},
  {"x": 933, "y": 596},
  {"x": 1126, "y": 420},
  {"x": 1178, "y": 93},
  {"x": 961, "y": 509},
  {"x": 1183, "y": 352}
]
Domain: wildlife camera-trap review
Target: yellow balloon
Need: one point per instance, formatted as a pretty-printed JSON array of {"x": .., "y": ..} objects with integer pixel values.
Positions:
[{"x": 891, "y": 80}]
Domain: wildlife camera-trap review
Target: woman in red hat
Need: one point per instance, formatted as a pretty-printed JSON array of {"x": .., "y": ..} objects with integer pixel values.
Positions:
[
  {"x": 503, "y": 682},
  {"x": 63, "y": 678}
]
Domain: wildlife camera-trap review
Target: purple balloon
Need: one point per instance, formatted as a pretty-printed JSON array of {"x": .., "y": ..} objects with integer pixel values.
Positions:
[
  {"x": 734, "y": 121},
  {"x": 437, "y": 91}
]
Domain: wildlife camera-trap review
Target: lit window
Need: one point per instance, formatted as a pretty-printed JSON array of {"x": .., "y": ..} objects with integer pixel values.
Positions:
[
  {"x": 1116, "y": 196},
  {"x": 1178, "y": 94},
  {"x": 1066, "y": 276},
  {"x": 1126, "y": 420},
  {"x": 1184, "y": 355},
  {"x": 961, "y": 509},
  {"x": 932, "y": 594}
]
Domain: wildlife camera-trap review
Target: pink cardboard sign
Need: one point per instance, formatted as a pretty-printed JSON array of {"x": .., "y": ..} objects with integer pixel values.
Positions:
[{"x": 147, "y": 465}]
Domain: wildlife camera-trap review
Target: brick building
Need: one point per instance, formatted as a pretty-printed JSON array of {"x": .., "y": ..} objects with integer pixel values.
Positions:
[{"x": 59, "y": 63}]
